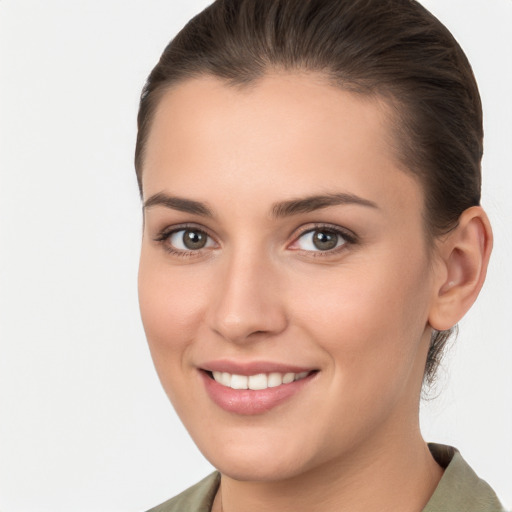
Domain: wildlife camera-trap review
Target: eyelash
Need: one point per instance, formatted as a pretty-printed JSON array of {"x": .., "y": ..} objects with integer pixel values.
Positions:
[
  {"x": 348, "y": 236},
  {"x": 164, "y": 236}
]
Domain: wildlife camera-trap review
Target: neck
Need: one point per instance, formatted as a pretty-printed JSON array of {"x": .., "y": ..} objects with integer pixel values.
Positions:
[{"x": 398, "y": 476}]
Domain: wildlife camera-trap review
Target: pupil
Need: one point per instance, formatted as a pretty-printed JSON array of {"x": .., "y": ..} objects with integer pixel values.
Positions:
[
  {"x": 194, "y": 239},
  {"x": 325, "y": 240}
]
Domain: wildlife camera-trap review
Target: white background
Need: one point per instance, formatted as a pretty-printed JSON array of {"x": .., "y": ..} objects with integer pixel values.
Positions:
[{"x": 84, "y": 425}]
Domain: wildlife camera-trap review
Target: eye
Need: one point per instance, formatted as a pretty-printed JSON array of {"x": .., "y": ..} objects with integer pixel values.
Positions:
[
  {"x": 320, "y": 239},
  {"x": 189, "y": 239}
]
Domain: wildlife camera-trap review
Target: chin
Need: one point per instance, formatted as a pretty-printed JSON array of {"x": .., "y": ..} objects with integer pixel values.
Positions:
[
  {"x": 262, "y": 471},
  {"x": 262, "y": 461}
]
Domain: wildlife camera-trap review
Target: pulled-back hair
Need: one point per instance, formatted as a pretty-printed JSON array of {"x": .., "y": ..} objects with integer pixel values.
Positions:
[{"x": 394, "y": 49}]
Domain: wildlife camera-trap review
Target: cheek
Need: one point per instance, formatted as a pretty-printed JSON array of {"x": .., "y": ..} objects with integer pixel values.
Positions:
[
  {"x": 370, "y": 315},
  {"x": 371, "y": 325},
  {"x": 172, "y": 303}
]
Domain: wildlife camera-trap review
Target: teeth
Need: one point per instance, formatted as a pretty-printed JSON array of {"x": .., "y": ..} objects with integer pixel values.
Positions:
[
  {"x": 275, "y": 379},
  {"x": 257, "y": 382},
  {"x": 223, "y": 378},
  {"x": 226, "y": 379},
  {"x": 239, "y": 381},
  {"x": 288, "y": 377}
]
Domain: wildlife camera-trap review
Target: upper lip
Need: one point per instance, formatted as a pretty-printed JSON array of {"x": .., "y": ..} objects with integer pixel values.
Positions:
[{"x": 251, "y": 367}]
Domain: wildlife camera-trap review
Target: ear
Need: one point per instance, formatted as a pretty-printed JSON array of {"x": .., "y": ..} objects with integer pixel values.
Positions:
[{"x": 462, "y": 265}]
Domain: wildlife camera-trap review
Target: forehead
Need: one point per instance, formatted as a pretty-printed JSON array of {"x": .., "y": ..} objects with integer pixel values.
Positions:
[{"x": 280, "y": 136}]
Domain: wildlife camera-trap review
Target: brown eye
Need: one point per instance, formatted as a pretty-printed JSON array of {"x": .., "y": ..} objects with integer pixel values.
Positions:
[
  {"x": 325, "y": 240},
  {"x": 189, "y": 240},
  {"x": 322, "y": 239},
  {"x": 194, "y": 239}
]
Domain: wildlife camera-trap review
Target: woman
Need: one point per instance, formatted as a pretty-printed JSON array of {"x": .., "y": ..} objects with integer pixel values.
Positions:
[{"x": 310, "y": 172}]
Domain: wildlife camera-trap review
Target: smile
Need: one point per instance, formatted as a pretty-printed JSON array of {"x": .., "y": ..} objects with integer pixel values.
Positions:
[
  {"x": 254, "y": 388},
  {"x": 257, "y": 382}
]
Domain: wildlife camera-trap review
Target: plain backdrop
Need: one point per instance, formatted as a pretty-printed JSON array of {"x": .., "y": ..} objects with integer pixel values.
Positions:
[{"x": 84, "y": 424}]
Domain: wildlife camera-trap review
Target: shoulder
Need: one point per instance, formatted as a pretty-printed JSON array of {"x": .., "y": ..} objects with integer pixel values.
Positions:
[
  {"x": 198, "y": 498},
  {"x": 460, "y": 488}
]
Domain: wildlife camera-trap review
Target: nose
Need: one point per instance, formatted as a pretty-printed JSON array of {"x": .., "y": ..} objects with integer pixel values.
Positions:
[{"x": 249, "y": 305}]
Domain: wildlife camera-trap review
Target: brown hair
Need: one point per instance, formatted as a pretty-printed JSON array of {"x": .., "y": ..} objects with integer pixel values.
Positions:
[{"x": 392, "y": 48}]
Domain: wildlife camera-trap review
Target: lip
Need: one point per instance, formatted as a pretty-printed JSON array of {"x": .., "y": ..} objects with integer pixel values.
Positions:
[
  {"x": 248, "y": 402},
  {"x": 251, "y": 367}
]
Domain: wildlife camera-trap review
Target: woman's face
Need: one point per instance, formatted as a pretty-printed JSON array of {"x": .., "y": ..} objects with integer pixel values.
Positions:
[{"x": 283, "y": 250}]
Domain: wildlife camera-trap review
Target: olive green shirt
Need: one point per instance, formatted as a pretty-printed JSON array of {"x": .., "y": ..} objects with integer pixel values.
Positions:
[{"x": 459, "y": 490}]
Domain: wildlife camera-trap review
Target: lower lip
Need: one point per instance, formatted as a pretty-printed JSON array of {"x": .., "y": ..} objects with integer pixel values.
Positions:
[{"x": 248, "y": 401}]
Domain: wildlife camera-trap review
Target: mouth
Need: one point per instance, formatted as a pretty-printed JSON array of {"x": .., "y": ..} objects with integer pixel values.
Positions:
[
  {"x": 256, "y": 382},
  {"x": 256, "y": 391}
]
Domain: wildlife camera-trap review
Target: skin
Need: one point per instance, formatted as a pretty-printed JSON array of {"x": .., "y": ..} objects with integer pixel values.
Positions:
[{"x": 360, "y": 314}]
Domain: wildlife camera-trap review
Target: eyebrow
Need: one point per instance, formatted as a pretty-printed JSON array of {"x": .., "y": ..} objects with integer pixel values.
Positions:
[
  {"x": 279, "y": 210},
  {"x": 178, "y": 203},
  {"x": 317, "y": 202}
]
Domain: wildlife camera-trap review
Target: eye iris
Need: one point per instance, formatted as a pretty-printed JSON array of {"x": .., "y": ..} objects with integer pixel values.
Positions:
[
  {"x": 194, "y": 239},
  {"x": 325, "y": 240}
]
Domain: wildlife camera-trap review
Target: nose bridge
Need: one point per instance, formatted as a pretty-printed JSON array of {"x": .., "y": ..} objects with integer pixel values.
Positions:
[{"x": 248, "y": 300}]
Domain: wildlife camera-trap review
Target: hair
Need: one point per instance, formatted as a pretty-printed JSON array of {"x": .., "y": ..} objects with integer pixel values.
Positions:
[{"x": 393, "y": 49}]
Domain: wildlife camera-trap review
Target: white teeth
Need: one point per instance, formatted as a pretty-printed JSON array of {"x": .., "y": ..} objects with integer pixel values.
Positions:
[
  {"x": 257, "y": 382},
  {"x": 275, "y": 379},
  {"x": 288, "y": 377},
  {"x": 239, "y": 381},
  {"x": 222, "y": 377}
]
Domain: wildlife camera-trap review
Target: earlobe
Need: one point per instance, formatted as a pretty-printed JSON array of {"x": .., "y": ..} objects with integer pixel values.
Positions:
[{"x": 464, "y": 257}]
